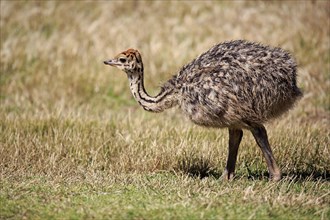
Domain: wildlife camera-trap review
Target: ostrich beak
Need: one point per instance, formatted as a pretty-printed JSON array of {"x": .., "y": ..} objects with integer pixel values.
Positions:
[{"x": 110, "y": 62}]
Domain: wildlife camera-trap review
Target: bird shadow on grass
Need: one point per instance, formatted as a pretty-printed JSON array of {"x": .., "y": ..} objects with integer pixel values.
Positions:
[
  {"x": 201, "y": 167},
  {"x": 197, "y": 166},
  {"x": 297, "y": 176}
]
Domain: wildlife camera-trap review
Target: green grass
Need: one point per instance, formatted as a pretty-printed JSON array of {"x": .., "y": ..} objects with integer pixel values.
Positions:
[
  {"x": 157, "y": 196},
  {"x": 75, "y": 145}
]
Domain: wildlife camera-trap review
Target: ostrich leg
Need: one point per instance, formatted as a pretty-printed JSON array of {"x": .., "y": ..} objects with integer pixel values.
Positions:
[
  {"x": 235, "y": 137},
  {"x": 260, "y": 134}
]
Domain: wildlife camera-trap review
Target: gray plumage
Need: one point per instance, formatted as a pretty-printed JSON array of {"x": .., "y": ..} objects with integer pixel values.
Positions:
[{"x": 236, "y": 84}]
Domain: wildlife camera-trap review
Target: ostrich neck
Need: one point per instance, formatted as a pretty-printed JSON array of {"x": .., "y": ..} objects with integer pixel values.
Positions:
[{"x": 165, "y": 99}]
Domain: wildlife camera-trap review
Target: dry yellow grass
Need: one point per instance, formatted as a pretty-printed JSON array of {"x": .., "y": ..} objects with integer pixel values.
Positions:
[{"x": 71, "y": 134}]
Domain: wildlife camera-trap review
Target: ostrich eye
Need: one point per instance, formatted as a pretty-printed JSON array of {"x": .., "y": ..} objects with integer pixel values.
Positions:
[{"x": 122, "y": 60}]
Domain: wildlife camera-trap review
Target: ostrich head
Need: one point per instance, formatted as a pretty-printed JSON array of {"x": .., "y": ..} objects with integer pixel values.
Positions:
[{"x": 129, "y": 61}]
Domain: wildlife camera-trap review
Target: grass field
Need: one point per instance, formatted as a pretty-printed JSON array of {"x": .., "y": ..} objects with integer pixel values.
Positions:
[{"x": 75, "y": 145}]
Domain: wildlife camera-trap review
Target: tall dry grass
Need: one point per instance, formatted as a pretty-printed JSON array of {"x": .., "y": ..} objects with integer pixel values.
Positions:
[{"x": 63, "y": 112}]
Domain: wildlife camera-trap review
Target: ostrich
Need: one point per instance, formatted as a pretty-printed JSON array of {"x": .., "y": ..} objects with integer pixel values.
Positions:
[{"x": 235, "y": 85}]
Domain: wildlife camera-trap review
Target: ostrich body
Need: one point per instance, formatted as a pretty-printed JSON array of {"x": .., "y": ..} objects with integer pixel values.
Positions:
[{"x": 236, "y": 84}]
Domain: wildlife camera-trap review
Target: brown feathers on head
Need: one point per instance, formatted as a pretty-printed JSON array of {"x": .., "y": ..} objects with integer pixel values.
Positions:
[{"x": 130, "y": 61}]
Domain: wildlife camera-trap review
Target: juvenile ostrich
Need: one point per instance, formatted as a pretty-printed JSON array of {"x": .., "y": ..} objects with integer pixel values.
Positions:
[{"x": 236, "y": 84}]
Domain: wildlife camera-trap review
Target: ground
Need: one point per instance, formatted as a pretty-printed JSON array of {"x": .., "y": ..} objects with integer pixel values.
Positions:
[{"x": 75, "y": 145}]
